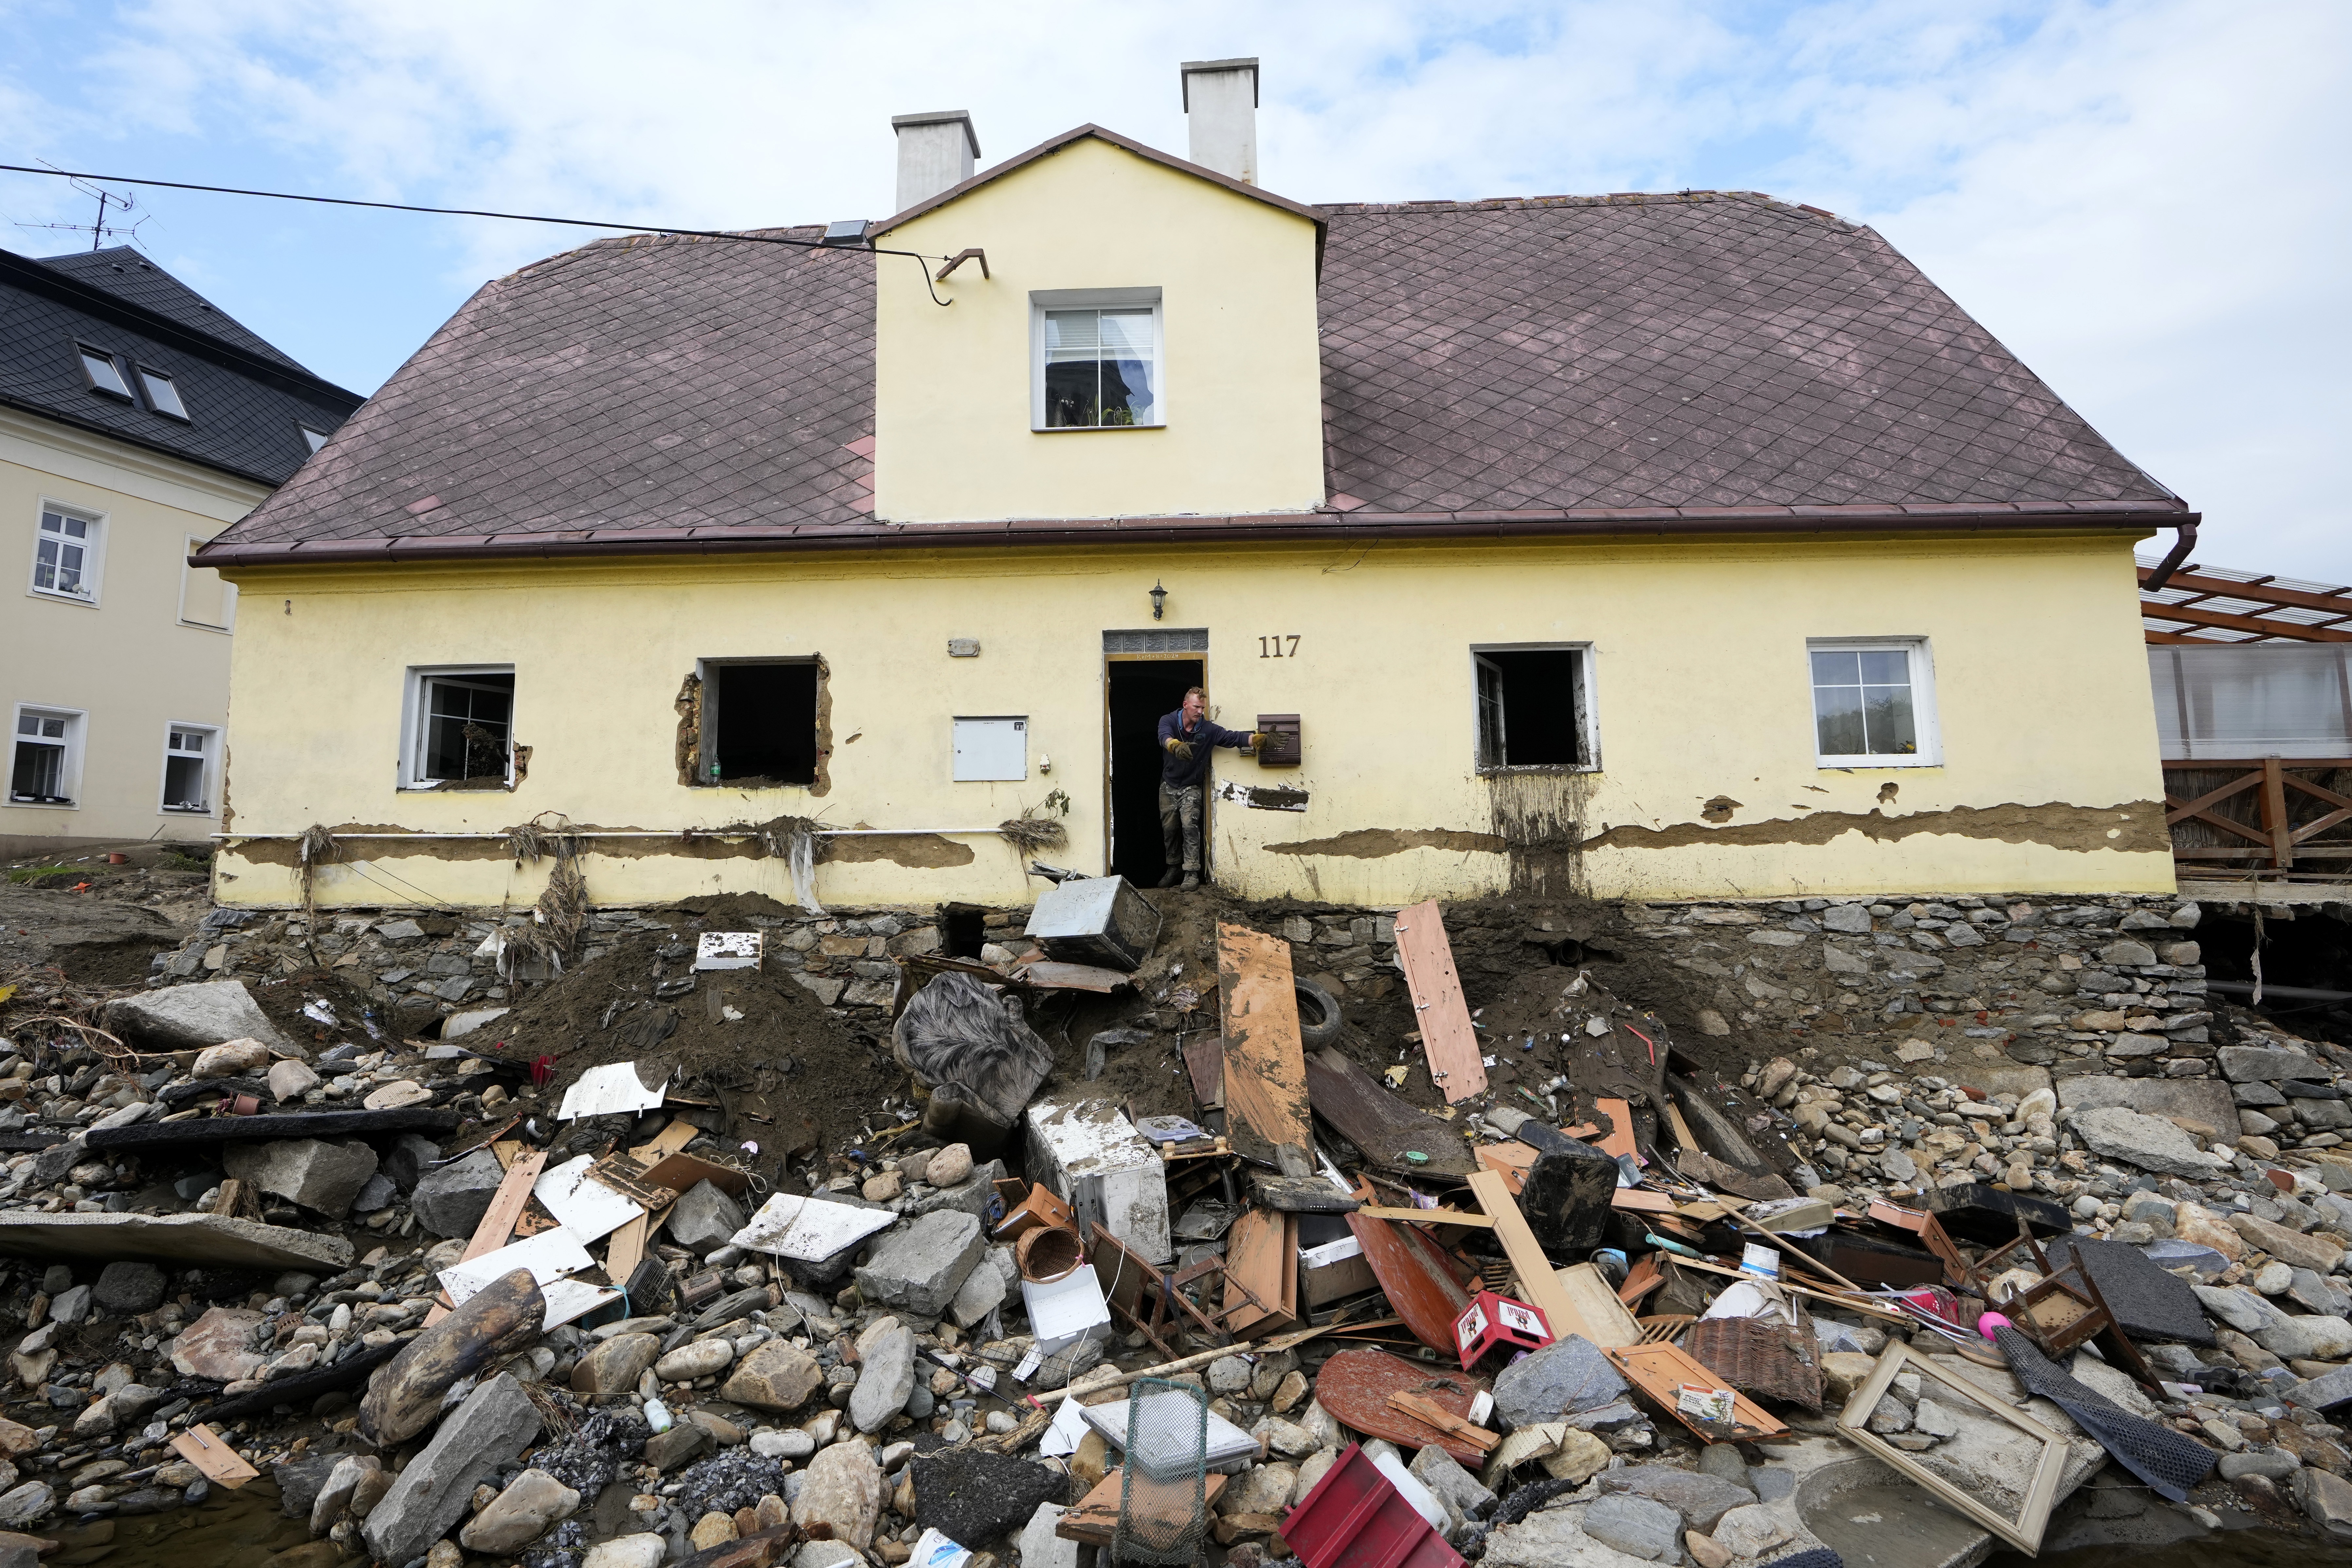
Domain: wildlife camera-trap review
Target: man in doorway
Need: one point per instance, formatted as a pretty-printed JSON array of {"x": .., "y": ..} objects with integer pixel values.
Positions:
[{"x": 1187, "y": 738}]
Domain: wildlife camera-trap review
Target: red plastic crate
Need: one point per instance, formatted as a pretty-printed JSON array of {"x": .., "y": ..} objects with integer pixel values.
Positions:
[
  {"x": 1355, "y": 1515},
  {"x": 1492, "y": 1323}
]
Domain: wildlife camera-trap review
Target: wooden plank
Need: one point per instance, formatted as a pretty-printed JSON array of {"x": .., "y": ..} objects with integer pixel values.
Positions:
[
  {"x": 209, "y": 1452},
  {"x": 1205, "y": 1062},
  {"x": 1404, "y": 1259},
  {"x": 1659, "y": 1370},
  {"x": 1095, "y": 1517},
  {"x": 1256, "y": 1258},
  {"x": 1428, "y": 1216},
  {"x": 1536, "y": 1275},
  {"x": 499, "y": 1220},
  {"x": 1447, "y": 1039},
  {"x": 1445, "y": 1420},
  {"x": 1046, "y": 974},
  {"x": 1619, "y": 1140},
  {"x": 1608, "y": 1324},
  {"x": 679, "y": 1173},
  {"x": 2025, "y": 1530},
  {"x": 1386, "y": 1130},
  {"x": 1513, "y": 1174},
  {"x": 1265, "y": 1072},
  {"x": 1641, "y": 1200},
  {"x": 668, "y": 1141},
  {"x": 627, "y": 1250}
]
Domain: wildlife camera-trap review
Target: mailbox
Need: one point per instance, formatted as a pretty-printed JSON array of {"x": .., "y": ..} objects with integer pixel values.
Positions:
[{"x": 1280, "y": 748}]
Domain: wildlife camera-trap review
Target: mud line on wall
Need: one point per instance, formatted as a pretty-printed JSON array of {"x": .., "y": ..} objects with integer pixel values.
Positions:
[
  {"x": 1540, "y": 817},
  {"x": 2134, "y": 828},
  {"x": 1372, "y": 843}
]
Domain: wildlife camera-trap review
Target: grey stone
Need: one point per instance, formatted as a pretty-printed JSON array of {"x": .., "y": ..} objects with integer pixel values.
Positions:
[
  {"x": 1228, "y": 1374},
  {"x": 378, "y": 1194},
  {"x": 1722, "y": 1461},
  {"x": 1637, "y": 1527},
  {"x": 1568, "y": 1375},
  {"x": 1040, "y": 1547},
  {"x": 2260, "y": 1064},
  {"x": 1931, "y": 1420},
  {"x": 886, "y": 1374},
  {"x": 433, "y": 1493},
  {"x": 410, "y": 1157},
  {"x": 2307, "y": 1339},
  {"x": 669, "y": 1450},
  {"x": 191, "y": 1018},
  {"x": 982, "y": 1291},
  {"x": 705, "y": 1219},
  {"x": 2142, "y": 1140},
  {"x": 2326, "y": 1392},
  {"x": 969, "y": 1196},
  {"x": 2326, "y": 1500},
  {"x": 451, "y": 1201},
  {"x": 324, "y": 1174},
  {"x": 1750, "y": 1531},
  {"x": 125, "y": 1288},
  {"x": 1456, "y": 1488},
  {"x": 22, "y": 1505},
  {"x": 2202, "y": 1099},
  {"x": 2276, "y": 1465},
  {"x": 71, "y": 1307},
  {"x": 919, "y": 1268},
  {"x": 1850, "y": 917},
  {"x": 1698, "y": 1500},
  {"x": 2238, "y": 1307},
  {"x": 528, "y": 1509}
]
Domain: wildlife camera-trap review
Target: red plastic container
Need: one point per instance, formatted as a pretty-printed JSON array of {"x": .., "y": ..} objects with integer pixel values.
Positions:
[
  {"x": 1355, "y": 1515},
  {"x": 1491, "y": 1323}
]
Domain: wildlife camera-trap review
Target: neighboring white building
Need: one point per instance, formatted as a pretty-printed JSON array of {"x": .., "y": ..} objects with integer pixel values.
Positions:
[{"x": 136, "y": 422}]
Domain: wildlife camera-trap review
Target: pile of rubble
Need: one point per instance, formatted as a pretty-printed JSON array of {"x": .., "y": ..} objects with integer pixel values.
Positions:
[{"x": 377, "y": 1218}]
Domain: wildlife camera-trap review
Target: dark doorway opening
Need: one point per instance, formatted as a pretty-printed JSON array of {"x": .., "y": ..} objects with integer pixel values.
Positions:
[
  {"x": 1141, "y": 691},
  {"x": 764, "y": 729},
  {"x": 964, "y": 930},
  {"x": 2306, "y": 968},
  {"x": 1529, "y": 705}
]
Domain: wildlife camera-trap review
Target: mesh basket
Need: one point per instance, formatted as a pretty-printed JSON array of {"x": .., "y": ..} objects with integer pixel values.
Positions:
[{"x": 1161, "y": 1515}]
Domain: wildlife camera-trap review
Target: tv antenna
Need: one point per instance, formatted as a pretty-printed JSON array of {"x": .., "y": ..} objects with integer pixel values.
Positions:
[{"x": 99, "y": 231}]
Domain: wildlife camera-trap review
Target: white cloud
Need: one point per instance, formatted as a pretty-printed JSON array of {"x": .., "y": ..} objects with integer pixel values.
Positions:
[{"x": 2140, "y": 197}]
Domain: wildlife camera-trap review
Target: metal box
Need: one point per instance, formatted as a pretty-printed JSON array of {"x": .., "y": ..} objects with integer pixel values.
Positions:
[
  {"x": 1099, "y": 919},
  {"x": 1096, "y": 1159},
  {"x": 1282, "y": 746}
]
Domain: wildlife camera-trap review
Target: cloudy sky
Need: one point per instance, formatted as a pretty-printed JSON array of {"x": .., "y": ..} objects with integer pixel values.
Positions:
[{"x": 2144, "y": 199}]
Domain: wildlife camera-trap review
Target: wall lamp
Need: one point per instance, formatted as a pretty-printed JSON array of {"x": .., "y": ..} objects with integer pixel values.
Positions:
[{"x": 1159, "y": 598}]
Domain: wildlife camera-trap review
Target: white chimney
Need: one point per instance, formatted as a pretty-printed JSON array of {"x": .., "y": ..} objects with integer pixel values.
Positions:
[
  {"x": 1221, "y": 99},
  {"x": 935, "y": 154}
]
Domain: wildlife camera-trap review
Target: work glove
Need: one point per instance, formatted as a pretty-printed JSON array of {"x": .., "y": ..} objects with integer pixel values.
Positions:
[
  {"x": 1180, "y": 748},
  {"x": 1257, "y": 739}
]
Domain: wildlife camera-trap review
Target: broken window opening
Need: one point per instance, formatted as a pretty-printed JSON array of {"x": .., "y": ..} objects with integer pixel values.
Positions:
[
  {"x": 187, "y": 768},
  {"x": 758, "y": 721},
  {"x": 40, "y": 772},
  {"x": 963, "y": 930},
  {"x": 464, "y": 735},
  {"x": 1534, "y": 708}
]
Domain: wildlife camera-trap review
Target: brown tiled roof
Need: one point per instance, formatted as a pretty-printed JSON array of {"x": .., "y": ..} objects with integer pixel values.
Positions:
[{"x": 1658, "y": 363}]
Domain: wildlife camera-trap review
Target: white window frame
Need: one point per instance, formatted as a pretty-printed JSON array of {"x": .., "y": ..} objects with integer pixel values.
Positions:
[
  {"x": 93, "y": 574},
  {"x": 963, "y": 772},
  {"x": 1044, "y": 300},
  {"x": 415, "y": 712},
  {"x": 228, "y": 591},
  {"x": 76, "y": 732},
  {"x": 1924, "y": 726},
  {"x": 212, "y": 773},
  {"x": 1588, "y": 720}
]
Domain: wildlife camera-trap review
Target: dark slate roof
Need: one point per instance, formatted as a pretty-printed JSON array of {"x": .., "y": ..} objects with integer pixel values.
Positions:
[
  {"x": 1704, "y": 359},
  {"x": 246, "y": 402}
]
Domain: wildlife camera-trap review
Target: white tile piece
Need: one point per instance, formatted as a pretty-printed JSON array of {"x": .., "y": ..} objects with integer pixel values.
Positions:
[
  {"x": 588, "y": 1209},
  {"x": 570, "y": 1298},
  {"x": 729, "y": 948},
  {"x": 809, "y": 1229},
  {"x": 1226, "y": 1442},
  {"x": 550, "y": 1256},
  {"x": 606, "y": 1091}
]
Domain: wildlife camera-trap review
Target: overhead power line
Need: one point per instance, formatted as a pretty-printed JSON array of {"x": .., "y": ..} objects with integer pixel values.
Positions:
[{"x": 478, "y": 211}]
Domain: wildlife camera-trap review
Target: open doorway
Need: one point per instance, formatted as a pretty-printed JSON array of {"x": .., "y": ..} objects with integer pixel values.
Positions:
[{"x": 1142, "y": 687}]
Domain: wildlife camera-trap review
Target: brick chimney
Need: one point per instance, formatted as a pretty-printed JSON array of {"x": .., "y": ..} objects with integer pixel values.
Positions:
[
  {"x": 1220, "y": 102},
  {"x": 935, "y": 152}
]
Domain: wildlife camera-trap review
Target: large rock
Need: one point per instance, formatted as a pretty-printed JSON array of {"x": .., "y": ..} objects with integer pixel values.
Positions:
[
  {"x": 886, "y": 1374},
  {"x": 229, "y": 1058},
  {"x": 2312, "y": 1252},
  {"x": 2201, "y": 1226},
  {"x": 320, "y": 1174},
  {"x": 2259, "y": 1063},
  {"x": 289, "y": 1079},
  {"x": 342, "y": 1490},
  {"x": 411, "y": 1156},
  {"x": 190, "y": 1017},
  {"x": 1552, "y": 1538},
  {"x": 2202, "y": 1099},
  {"x": 982, "y": 1291},
  {"x": 920, "y": 1268},
  {"x": 697, "y": 1358},
  {"x": 1635, "y": 1526},
  {"x": 704, "y": 1219},
  {"x": 1452, "y": 1485},
  {"x": 613, "y": 1368},
  {"x": 484, "y": 1433},
  {"x": 125, "y": 1289},
  {"x": 842, "y": 1488},
  {"x": 1750, "y": 1531},
  {"x": 23, "y": 1503},
  {"x": 968, "y": 1495},
  {"x": 1566, "y": 1375},
  {"x": 520, "y": 1515},
  {"x": 2307, "y": 1339},
  {"x": 1697, "y": 1498},
  {"x": 644, "y": 1550},
  {"x": 2142, "y": 1140},
  {"x": 774, "y": 1376},
  {"x": 219, "y": 1345},
  {"x": 451, "y": 1201},
  {"x": 2326, "y": 1500},
  {"x": 496, "y": 1321}
]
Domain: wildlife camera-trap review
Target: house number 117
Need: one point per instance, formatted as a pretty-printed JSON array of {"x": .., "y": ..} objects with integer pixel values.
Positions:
[{"x": 1271, "y": 648}]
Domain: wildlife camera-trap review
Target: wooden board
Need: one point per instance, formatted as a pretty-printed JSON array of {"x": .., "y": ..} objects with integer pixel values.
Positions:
[
  {"x": 1429, "y": 1216},
  {"x": 1256, "y": 1257},
  {"x": 627, "y": 1250},
  {"x": 1046, "y": 974},
  {"x": 1619, "y": 1140},
  {"x": 498, "y": 1219},
  {"x": 680, "y": 1172},
  {"x": 1356, "y": 1385},
  {"x": 668, "y": 1141},
  {"x": 1205, "y": 1062},
  {"x": 1536, "y": 1275},
  {"x": 1383, "y": 1126},
  {"x": 1096, "y": 1518},
  {"x": 1422, "y": 1409},
  {"x": 1607, "y": 1322},
  {"x": 1406, "y": 1261},
  {"x": 2024, "y": 1531},
  {"x": 209, "y": 1452},
  {"x": 1512, "y": 1161},
  {"x": 1446, "y": 1037},
  {"x": 1641, "y": 1200},
  {"x": 1659, "y": 1370},
  {"x": 1265, "y": 1072}
]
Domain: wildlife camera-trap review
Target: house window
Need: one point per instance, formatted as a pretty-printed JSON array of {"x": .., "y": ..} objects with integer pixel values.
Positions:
[
  {"x": 462, "y": 729},
  {"x": 162, "y": 394},
  {"x": 44, "y": 763},
  {"x": 105, "y": 376},
  {"x": 991, "y": 750},
  {"x": 1535, "y": 708},
  {"x": 759, "y": 722},
  {"x": 1874, "y": 703},
  {"x": 65, "y": 555},
  {"x": 314, "y": 439},
  {"x": 206, "y": 599},
  {"x": 188, "y": 754},
  {"x": 1097, "y": 360}
]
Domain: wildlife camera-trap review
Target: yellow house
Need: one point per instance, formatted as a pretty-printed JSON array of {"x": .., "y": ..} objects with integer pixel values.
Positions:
[
  {"x": 137, "y": 420},
  {"x": 1682, "y": 545}
]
